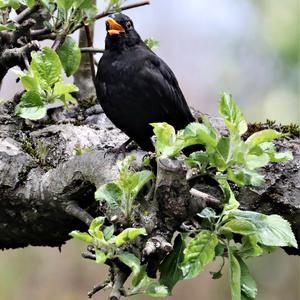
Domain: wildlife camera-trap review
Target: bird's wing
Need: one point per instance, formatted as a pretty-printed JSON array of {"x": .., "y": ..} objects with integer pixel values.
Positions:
[{"x": 162, "y": 89}]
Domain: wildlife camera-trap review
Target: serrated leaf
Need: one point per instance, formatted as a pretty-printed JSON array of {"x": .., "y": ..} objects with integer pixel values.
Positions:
[
  {"x": 29, "y": 82},
  {"x": 257, "y": 161},
  {"x": 248, "y": 284},
  {"x": 82, "y": 236},
  {"x": 249, "y": 247},
  {"x": 245, "y": 176},
  {"x": 64, "y": 88},
  {"x": 46, "y": 66},
  {"x": 170, "y": 272},
  {"x": 263, "y": 136},
  {"x": 230, "y": 202},
  {"x": 133, "y": 263},
  {"x": 31, "y": 106},
  {"x": 233, "y": 116},
  {"x": 97, "y": 223},
  {"x": 156, "y": 290},
  {"x": 271, "y": 230},
  {"x": 65, "y": 4},
  {"x": 70, "y": 56},
  {"x": 129, "y": 234},
  {"x": 208, "y": 213},
  {"x": 242, "y": 227},
  {"x": 199, "y": 252},
  {"x": 165, "y": 140},
  {"x": 235, "y": 276},
  {"x": 100, "y": 257},
  {"x": 140, "y": 179},
  {"x": 108, "y": 232},
  {"x": 111, "y": 193},
  {"x": 197, "y": 133}
]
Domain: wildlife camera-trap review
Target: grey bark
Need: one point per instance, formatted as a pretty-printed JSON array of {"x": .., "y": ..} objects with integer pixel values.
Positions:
[{"x": 36, "y": 191}]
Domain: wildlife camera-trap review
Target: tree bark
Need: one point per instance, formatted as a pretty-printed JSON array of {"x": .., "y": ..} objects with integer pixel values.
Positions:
[{"x": 45, "y": 194}]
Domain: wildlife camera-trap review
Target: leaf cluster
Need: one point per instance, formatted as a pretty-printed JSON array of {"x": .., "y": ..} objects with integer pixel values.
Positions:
[{"x": 44, "y": 82}]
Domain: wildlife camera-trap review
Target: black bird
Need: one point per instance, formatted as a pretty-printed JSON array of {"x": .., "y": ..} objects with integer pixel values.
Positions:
[{"x": 135, "y": 87}]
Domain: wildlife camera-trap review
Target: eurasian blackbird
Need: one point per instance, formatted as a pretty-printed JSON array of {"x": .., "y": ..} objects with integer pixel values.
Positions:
[{"x": 135, "y": 87}]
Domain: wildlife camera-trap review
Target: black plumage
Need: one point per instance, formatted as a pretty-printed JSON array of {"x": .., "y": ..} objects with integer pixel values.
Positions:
[{"x": 135, "y": 87}]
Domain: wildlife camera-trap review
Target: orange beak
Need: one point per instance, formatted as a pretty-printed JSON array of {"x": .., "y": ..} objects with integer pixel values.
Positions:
[{"x": 114, "y": 27}]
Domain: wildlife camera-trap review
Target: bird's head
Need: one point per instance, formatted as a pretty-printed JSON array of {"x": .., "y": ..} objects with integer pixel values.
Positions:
[{"x": 120, "y": 32}]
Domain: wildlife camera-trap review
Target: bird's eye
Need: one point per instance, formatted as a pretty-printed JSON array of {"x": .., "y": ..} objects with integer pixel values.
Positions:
[{"x": 128, "y": 25}]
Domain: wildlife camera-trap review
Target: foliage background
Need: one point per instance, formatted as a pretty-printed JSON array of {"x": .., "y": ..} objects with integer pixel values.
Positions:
[{"x": 248, "y": 48}]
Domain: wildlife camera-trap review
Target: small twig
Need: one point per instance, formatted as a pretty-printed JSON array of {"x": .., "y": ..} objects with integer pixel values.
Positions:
[
  {"x": 205, "y": 197},
  {"x": 107, "y": 13},
  {"x": 25, "y": 13},
  {"x": 76, "y": 211},
  {"x": 125, "y": 7},
  {"x": 98, "y": 288},
  {"x": 91, "y": 55},
  {"x": 37, "y": 32},
  {"x": 91, "y": 49},
  {"x": 57, "y": 42},
  {"x": 50, "y": 36},
  {"x": 88, "y": 255}
]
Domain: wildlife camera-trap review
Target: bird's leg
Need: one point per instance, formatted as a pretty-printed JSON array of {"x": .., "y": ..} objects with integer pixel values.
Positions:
[{"x": 119, "y": 150}]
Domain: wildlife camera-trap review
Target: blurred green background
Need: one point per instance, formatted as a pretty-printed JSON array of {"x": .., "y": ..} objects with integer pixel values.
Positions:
[{"x": 248, "y": 48}]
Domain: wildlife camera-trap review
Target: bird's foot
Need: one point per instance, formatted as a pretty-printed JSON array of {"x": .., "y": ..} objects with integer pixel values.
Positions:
[{"x": 119, "y": 150}]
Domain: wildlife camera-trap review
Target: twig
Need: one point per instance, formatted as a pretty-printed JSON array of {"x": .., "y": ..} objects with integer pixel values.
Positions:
[
  {"x": 125, "y": 7},
  {"x": 50, "y": 36},
  {"x": 25, "y": 13},
  {"x": 98, "y": 288},
  {"x": 119, "y": 278},
  {"x": 88, "y": 255},
  {"x": 91, "y": 56},
  {"x": 37, "y": 32},
  {"x": 205, "y": 197},
  {"x": 91, "y": 49},
  {"x": 76, "y": 211},
  {"x": 107, "y": 13}
]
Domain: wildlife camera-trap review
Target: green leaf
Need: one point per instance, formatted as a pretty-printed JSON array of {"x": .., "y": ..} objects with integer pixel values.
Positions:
[
  {"x": 244, "y": 177},
  {"x": 111, "y": 193},
  {"x": 31, "y": 113},
  {"x": 156, "y": 290},
  {"x": 7, "y": 27},
  {"x": 235, "y": 276},
  {"x": 199, "y": 252},
  {"x": 108, "y": 232},
  {"x": 63, "y": 88},
  {"x": 197, "y": 133},
  {"x": 65, "y": 4},
  {"x": 222, "y": 154},
  {"x": 133, "y": 263},
  {"x": 46, "y": 66},
  {"x": 208, "y": 213},
  {"x": 152, "y": 43},
  {"x": 249, "y": 247},
  {"x": 97, "y": 223},
  {"x": 271, "y": 230},
  {"x": 248, "y": 284},
  {"x": 233, "y": 117},
  {"x": 263, "y": 136},
  {"x": 165, "y": 140},
  {"x": 70, "y": 55},
  {"x": 170, "y": 272},
  {"x": 242, "y": 227},
  {"x": 129, "y": 234},
  {"x": 140, "y": 179},
  {"x": 82, "y": 236},
  {"x": 100, "y": 257},
  {"x": 257, "y": 161},
  {"x": 229, "y": 198},
  {"x": 30, "y": 82},
  {"x": 31, "y": 106},
  {"x": 15, "y": 4}
]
